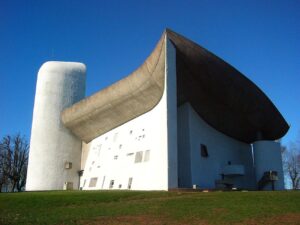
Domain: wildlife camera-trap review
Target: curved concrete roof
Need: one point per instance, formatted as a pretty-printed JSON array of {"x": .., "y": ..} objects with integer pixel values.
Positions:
[
  {"x": 123, "y": 101},
  {"x": 220, "y": 94}
]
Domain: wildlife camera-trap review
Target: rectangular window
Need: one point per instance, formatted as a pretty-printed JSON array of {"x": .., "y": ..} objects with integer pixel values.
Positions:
[
  {"x": 115, "y": 137},
  {"x": 147, "y": 156},
  {"x": 203, "y": 150},
  {"x": 99, "y": 149},
  {"x": 103, "y": 182},
  {"x": 138, "y": 157},
  {"x": 115, "y": 157},
  {"x": 93, "y": 182},
  {"x": 111, "y": 184},
  {"x": 129, "y": 183}
]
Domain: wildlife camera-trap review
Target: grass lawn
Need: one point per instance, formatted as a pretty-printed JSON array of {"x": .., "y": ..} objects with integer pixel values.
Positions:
[{"x": 139, "y": 207}]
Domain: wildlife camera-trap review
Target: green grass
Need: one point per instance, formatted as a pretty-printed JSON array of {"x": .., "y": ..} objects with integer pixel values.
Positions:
[{"x": 80, "y": 207}]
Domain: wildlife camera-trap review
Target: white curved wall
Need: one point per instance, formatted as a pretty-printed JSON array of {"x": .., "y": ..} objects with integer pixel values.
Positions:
[
  {"x": 267, "y": 156},
  {"x": 59, "y": 85},
  {"x": 112, "y": 156}
]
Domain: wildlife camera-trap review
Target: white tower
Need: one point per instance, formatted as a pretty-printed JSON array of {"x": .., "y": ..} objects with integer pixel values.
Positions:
[{"x": 55, "y": 153}]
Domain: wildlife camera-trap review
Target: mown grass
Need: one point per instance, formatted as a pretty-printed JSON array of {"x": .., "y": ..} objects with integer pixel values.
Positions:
[{"x": 95, "y": 207}]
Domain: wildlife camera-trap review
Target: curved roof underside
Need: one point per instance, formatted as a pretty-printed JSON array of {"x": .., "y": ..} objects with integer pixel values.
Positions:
[
  {"x": 220, "y": 94},
  {"x": 121, "y": 102}
]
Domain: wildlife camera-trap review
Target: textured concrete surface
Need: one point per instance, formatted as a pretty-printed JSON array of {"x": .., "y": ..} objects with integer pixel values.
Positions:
[
  {"x": 220, "y": 94},
  {"x": 117, "y": 104},
  {"x": 59, "y": 85}
]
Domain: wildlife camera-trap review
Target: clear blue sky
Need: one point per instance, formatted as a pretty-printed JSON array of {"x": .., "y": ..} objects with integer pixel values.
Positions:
[{"x": 259, "y": 38}]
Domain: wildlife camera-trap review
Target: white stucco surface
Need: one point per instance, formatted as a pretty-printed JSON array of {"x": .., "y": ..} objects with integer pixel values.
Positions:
[
  {"x": 112, "y": 156},
  {"x": 267, "y": 156},
  {"x": 59, "y": 85}
]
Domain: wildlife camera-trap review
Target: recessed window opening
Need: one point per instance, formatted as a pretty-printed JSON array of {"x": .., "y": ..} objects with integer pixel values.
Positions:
[
  {"x": 130, "y": 132},
  {"x": 129, "y": 183},
  {"x": 120, "y": 146},
  {"x": 115, "y": 157},
  {"x": 68, "y": 165},
  {"x": 203, "y": 149},
  {"x": 99, "y": 149},
  {"x": 120, "y": 185},
  {"x": 111, "y": 184},
  {"x": 93, "y": 182},
  {"x": 115, "y": 137},
  {"x": 147, "y": 156},
  {"x": 103, "y": 182},
  {"x": 138, "y": 157}
]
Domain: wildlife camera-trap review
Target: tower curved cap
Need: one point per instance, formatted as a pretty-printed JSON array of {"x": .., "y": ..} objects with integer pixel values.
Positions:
[{"x": 220, "y": 94}]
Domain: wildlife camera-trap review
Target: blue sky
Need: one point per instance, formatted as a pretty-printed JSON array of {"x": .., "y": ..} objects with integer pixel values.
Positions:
[{"x": 259, "y": 38}]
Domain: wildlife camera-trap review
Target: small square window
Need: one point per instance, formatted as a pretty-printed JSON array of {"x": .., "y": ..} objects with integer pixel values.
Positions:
[
  {"x": 68, "y": 165},
  {"x": 203, "y": 149}
]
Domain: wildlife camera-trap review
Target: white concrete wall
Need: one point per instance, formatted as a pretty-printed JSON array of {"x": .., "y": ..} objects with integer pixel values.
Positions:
[
  {"x": 59, "y": 85},
  {"x": 112, "y": 155},
  {"x": 267, "y": 156},
  {"x": 195, "y": 169}
]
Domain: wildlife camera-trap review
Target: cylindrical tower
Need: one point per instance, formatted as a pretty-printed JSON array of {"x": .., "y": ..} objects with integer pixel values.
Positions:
[
  {"x": 55, "y": 153},
  {"x": 267, "y": 157}
]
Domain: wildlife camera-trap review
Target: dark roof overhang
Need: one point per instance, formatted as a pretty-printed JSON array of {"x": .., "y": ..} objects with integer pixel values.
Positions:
[{"x": 221, "y": 95}]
